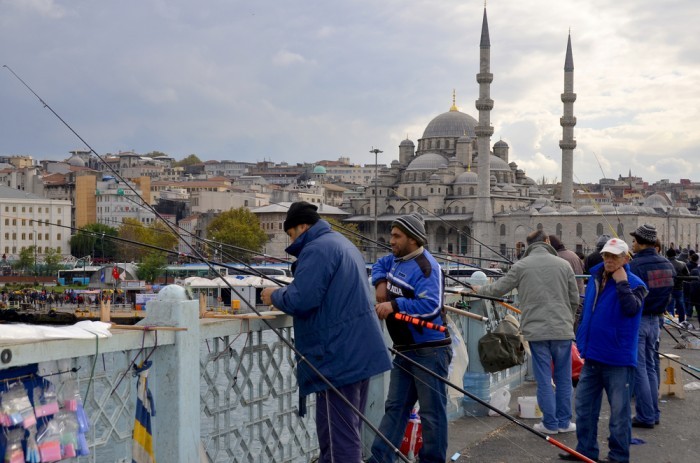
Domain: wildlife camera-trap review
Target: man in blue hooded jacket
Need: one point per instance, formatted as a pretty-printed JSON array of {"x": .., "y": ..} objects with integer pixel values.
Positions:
[
  {"x": 607, "y": 340},
  {"x": 335, "y": 329}
]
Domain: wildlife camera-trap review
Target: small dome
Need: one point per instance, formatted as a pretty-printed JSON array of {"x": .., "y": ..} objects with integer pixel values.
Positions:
[
  {"x": 427, "y": 161},
  {"x": 548, "y": 210},
  {"x": 453, "y": 124},
  {"x": 509, "y": 188},
  {"x": 586, "y": 210},
  {"x": 566, "y": 210},
  {"x": 628, "y": 209},
  {"x": 655, "y": 201},
  {"x": 76, "y": 161},
  {"x": 497, "y": 163},
  {"x": 684, "y": 211},
  {"x": 467, "y": 177},
  {"x": 500, "y": 144},
  {"x": 406, "y": 142},
  {"x": 319, "y": 170},
  {"x": 607, "y": 209},
  {"x": 529, "y": 181},
  {"x": 496, "y": 189}
]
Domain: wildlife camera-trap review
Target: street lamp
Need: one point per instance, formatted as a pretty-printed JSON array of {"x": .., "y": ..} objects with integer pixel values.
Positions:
[{"x": 376, "y": 181}]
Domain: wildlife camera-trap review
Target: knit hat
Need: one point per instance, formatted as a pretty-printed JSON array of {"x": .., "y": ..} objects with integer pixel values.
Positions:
[
  {"x": 645, "y": 234},
  {"x": 413, "y": 226},
  {"x": 602, "y": 239},
  {"x": 670, "y": 253},
  {"x": 615, "y": 246},
  {"x": 299, "y": 213}
]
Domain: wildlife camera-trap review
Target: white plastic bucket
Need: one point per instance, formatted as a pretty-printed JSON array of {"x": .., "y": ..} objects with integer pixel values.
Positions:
[{"x": 528, "y": 408}]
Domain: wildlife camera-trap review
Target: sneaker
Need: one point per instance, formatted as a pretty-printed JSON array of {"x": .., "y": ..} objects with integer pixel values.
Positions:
[
  {"x": 541, "y": 428},
  {"x": 570, "y": 428}
]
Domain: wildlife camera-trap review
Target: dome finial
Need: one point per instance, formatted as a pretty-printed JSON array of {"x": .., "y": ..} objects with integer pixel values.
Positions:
[{"x": 454, "y": 104}]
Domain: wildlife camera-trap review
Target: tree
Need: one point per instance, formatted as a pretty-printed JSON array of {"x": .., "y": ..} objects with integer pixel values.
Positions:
[
  {"x": 157, "y": 234},
  {"x": 151, "y": 266},
  {"x": 155, "y": 154},
  {"x": 348, "y": 230},
  {"x": 26, "y": 259},
  {"x": 190, "y": 160},
  {"x": 94, "y": 240},
  {"x": 52, "y": 260},
  {"x": 240, "y": 228}
]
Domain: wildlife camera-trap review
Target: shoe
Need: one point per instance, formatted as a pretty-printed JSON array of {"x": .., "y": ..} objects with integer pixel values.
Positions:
[
  {"x": 640, "y": 424},
  {"x": 570, "y": 428},
  {"x": 541, "y": 428},
  {"x": 568, "y": 457},
  {"x": 608, "y": 460},
  {"x": 657, "y": 422}
]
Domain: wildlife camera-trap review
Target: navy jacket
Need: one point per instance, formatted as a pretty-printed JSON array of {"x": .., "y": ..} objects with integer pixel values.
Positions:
[
  {"x": 658, "y": 274},
  {"x": 609, "y": 327},
  {"x": 335, "y": 325}
]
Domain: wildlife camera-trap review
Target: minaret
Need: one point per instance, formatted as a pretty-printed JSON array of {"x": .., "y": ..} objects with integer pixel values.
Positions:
[
  {"x": 568, "y": 121},
  {"x": 483, "y": 212}
]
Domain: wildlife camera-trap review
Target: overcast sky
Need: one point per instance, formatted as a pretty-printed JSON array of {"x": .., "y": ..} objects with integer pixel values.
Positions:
[{"x": 307, "y": 80}]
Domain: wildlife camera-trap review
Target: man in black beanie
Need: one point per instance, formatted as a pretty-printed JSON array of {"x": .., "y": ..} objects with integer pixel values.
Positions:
[
  {"x": 595, "y": 258},
  {"x": 335, "y": 329}
]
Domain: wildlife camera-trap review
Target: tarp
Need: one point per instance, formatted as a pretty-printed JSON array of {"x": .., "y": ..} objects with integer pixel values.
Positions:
[{"x": 19, "y": 332}]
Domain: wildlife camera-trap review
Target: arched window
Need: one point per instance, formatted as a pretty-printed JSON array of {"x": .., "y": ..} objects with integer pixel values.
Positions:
[
  {"x": 459, "y": 191},
  {"x": 559, "y": 230},
  {"x": 471, "y": 191},
  {"x": 464, "y": 210},
  {"x": 410, "y": 209},
  {"x": 503, "y": 229},
  {"x": 449, "y": 210},
  {"x": 579, "y": 230},
  {"x": 439, "y": 144},
  {"x": 420, "y": 191},
  {"x": 539, "y": 226},
  {"x": 599, "y": 229},
  {"x": 413, "y": 191}
]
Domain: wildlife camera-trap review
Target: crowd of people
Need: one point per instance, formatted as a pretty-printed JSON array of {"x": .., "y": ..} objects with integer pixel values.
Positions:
[
  {"x": 614, "y": 321},
  {"x": 51, "y": 298}
]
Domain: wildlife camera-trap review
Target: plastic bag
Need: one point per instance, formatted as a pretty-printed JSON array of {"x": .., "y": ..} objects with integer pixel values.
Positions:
[
  {"x": 500, "y": 398},
  {"x": 459, "y": 363}
]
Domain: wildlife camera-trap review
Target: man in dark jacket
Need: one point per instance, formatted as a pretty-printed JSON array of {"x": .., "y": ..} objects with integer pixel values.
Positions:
[
  {"x": 677, "y": 301},
  {"x": 335, "y": 329},
  {"x": 595, "y": 258},
  {"x": 607, "y": 340},
  {"x": 658, "y": 274},
  {"x": 410, "y": 281}
]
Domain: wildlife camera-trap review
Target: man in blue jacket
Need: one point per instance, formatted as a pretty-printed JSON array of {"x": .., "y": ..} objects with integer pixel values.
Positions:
[
  {"x": 658, "y": 274},
  {"x": 410, "y": 281},
  {"x": 335, "y": 329},
  {"x": 607, "y": 340}
]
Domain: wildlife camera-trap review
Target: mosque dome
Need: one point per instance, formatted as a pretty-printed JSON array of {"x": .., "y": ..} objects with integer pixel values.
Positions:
[
  {"x": 566, "y": 210},
  {"x": 656, "y": 200},
  {"x": 548, "y": 210},
  {"x": 406, "y": 142},
  {"x": 586, "y": 210},
  {"x": 607, "y": 209},
  {"x": 319, "y": 170},
  {"x": 76, "y": 161},
  {"x": 628, "y": 209},
  {"x": 500, "y": 144},
  {"x": 509, "y": 188},
  {"x": 427, "y": 161},
  {"x": 496, "y": 189},
  {"x": 467, "y": 177},
  {"x": 453, "y": 124},
  {"x": 497, "y": 163}
]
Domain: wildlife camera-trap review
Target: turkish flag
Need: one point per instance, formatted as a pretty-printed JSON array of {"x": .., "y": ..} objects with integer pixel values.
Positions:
[{"x": 115, "y": 272}]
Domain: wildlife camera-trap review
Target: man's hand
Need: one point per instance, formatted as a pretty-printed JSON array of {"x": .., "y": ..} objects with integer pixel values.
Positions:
[
  {"x": 381, "y": 292},
  {"x": 266, "y": 295},
  {"x": 383, "y": 309},
  {"x": 619, "y": 275}
]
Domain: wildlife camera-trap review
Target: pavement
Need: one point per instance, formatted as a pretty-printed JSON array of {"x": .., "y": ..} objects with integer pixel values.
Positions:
[{"x": 674, "y": 440}]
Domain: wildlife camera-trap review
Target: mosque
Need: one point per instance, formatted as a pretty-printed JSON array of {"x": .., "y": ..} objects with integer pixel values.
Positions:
[{"x": 477, "y": 203}]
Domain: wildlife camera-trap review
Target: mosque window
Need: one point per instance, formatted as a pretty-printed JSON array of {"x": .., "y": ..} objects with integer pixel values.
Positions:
[
  {"x": 621, "y": 229},
  {"x": 579, "y": 229},
  {"x": 431, "y": 191},
  {"x": 471, "y": 191},
  {"x": 420, "y": 191},
  {"x": 464, "y": 210},
  {"x": 449, "y": 210},
  {"x": 410, "y": 209},
  {"x": 438, "y": 144},
  {"x": 430, "y": 144},
  {"x": 599, "y": 229},
  {"x": 539, "y": 226},
  {"x": 459, "y": 191},
  {"x": 559, "y": 230},
  {"x": 402, "y": 211},
  {"x": 503, "y": 230},
  {"x": 413, "y": 191}
]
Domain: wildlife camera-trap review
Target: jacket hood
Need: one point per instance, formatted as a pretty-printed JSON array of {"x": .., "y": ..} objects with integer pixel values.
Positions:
[
  {"x": 540, "y": 245},
  {"x": 319, "y": 228}
]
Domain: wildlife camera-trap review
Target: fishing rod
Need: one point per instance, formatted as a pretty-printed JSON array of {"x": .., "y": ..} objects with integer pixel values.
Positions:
[
  {"x": 681, "y": 363},
  {"x": 680, "y": 327},
  {"x": 476, "y": 398},
  {"x": 286, "y": 341},
  {"x": 461, "y": 292}
]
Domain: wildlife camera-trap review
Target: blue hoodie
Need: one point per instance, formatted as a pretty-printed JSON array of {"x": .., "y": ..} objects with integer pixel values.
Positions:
[
  {"x": 609, "y": 327},
  {"x": 335, "y": 326}
]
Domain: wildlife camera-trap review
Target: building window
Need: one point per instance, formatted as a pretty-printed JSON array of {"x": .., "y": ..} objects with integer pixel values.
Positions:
[
  {"x": 14, "y": 236},
  {"x": 46, "y": 236},
  {"x": 24, "y": 236},
  {"x": 7, "y": 221},
  {"x": 7, "y": 236},
  {"x": 599, "y": 229},
  {"x": 579, "y": 230},
  {"x": 24, "y": 209},
  {"x": 31, "y": 236},
  {"x": 503, "y": 232}
]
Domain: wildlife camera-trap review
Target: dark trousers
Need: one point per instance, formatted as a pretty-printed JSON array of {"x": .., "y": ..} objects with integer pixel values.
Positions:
[{"x": 338, "y": 426}]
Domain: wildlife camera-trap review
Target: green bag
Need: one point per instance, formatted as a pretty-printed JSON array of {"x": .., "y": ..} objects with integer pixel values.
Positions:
[{"x": 503, "y": 348}]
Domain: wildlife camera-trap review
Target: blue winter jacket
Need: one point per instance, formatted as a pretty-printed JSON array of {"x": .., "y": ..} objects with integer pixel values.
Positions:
[
  {"x": 335, "y": 325},
  {"x": 609, "y": 327},
  {"x": 657, "y": 273},
  {"x": 415, "y": 288}
]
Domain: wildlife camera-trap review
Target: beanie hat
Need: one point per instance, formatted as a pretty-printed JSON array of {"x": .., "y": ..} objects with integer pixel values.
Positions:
[
  {"x": 602, "y": 239},
  {"x": 299, "y": 213},
  {"x": 645, "y": 234},
  {"x": 413, "y": 226},
  {"x": 670, "y": 253}
]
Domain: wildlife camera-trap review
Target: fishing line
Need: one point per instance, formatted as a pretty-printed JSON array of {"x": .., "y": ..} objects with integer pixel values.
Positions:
[{"x": 289, "y": 344}]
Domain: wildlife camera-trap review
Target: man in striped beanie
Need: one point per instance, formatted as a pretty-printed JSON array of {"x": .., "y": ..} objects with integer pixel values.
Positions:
[{"x": 410, "y": 281}]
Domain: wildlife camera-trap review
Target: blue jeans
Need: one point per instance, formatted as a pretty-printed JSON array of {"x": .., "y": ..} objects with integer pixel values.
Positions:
[
  {"x": 677, "y": 304},
  {"x": 646, "y": 380},
  {"x": 555, "y": 404},
  {"x": 617, "y": 382},
  {"x": 409, "y": 383}
]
